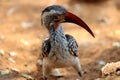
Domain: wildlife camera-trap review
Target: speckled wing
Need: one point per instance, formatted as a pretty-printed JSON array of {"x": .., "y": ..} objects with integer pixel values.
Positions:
[
  {"x": 46, "y": 47},
  {"x": 72, "y": 45}
]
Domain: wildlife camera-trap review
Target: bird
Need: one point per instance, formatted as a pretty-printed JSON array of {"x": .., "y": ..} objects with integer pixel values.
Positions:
[{"x": 60, "y": 50}]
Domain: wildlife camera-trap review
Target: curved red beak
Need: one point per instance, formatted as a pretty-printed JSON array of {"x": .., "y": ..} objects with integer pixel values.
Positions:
[{"x": 69, "y": 17}]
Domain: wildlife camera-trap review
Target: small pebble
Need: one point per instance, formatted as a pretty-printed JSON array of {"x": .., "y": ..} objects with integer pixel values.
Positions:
[
  {"x": 12, "y": 54},
  {"x": 118, "y": 72},
  {"x": 25, "y": 42},
  {"x": 28, "y": 69},
  {"x": 97, "y": 32},
  {"x": 116, "y": 44},
  {"x": 4, "y": 72},
  {"x": 2, "y": 37},
  {"x": 27, "y": 76},
  {"x": 101, "y": 62},
  {"x": 2, "y": 52},
  {"x": 11, "y": 60},
  {"x": 40, "y": 62},
  {"x": 11, "y": 11},
  {"x": 56, "y": 72},
  {"x": 26, "y": 25},
  {"x": 15, "y": 69}
]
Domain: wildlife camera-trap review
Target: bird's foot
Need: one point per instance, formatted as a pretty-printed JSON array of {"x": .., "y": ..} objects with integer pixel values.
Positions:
[{"x": 80, "y": 73}]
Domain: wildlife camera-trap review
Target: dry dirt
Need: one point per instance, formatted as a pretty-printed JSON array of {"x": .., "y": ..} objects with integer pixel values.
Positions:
[{"x": 21, "y": 35}]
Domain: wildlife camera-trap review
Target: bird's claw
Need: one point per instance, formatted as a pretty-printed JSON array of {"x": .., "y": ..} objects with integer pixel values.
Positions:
[{"x": 80, "y": 73}]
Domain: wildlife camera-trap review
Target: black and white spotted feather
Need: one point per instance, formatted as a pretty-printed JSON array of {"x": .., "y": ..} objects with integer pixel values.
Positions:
[
  {"x": 72, "y": 46},
  {"x": 46, "y": 47}
]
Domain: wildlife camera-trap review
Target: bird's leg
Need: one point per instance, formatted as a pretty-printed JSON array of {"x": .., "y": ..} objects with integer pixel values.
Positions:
[
  {"x": 77, "y": 66},
  {"x": 46, "y": 69}
]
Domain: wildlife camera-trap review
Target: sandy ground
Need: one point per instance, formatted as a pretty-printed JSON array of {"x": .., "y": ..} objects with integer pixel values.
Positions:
[{"x": 21, "y": 35}]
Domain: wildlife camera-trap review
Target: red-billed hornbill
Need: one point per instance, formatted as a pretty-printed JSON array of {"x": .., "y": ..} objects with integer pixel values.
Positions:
[{"x": 60, "y": 50}]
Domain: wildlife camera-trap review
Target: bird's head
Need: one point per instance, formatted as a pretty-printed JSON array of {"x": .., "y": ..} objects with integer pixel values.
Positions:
[{"x": 53, "y": 15}]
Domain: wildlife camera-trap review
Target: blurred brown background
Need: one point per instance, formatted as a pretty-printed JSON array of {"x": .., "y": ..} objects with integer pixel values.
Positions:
[{"x": 21, "y": 35}]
